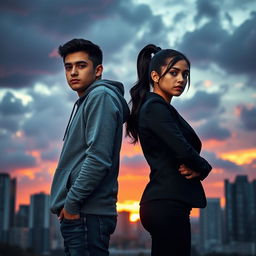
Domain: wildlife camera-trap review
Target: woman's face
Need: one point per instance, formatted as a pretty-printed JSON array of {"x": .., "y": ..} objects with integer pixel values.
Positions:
[{"x": 173, "y": 82}]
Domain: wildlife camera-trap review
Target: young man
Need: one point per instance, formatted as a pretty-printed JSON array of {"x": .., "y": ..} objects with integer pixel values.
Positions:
[{"x": 84, "y": 188}]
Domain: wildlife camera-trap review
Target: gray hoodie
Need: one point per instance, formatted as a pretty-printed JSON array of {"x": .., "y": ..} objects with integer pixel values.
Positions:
[{"x": 85, "y": 181}]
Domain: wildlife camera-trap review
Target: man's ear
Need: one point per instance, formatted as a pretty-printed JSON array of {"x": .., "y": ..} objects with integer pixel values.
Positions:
[
  {"x": 99, "y": 70},
  {"x": 155, "y": 76}
]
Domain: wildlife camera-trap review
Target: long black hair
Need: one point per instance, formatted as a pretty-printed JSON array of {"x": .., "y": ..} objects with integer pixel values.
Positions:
[{"x": 145, "y": 65}]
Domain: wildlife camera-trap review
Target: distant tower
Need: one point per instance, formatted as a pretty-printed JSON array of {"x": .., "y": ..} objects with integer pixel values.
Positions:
[
  {"x": 123, "y": 228},
  {"x": 22, "y": 216},
  {"x": 254, "y": 211},
  {"x": 210, "y": 226},
  {"x": 39, "y": 223},
  {"x": 7, "y": 205},
  {"x": 19, "y": 235},
  {"x": 240, "y": 210}
]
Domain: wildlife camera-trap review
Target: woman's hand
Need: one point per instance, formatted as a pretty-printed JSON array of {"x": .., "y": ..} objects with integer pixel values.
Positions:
[{"x": 187, "y": 172}]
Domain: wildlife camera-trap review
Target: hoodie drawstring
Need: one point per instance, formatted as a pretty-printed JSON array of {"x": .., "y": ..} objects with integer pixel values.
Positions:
[{"x": 70, "y": 119}]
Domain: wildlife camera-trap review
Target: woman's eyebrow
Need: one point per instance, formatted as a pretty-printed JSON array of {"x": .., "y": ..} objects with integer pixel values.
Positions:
[{"x": 186, "y": 70}]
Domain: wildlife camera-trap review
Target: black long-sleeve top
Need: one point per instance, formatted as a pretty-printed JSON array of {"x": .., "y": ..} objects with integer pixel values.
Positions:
[{"x": 168, "y": 141}]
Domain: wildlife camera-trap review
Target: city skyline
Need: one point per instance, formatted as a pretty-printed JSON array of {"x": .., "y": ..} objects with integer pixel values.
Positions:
[
  {"x": 35, "y": 101},
  {"x": 224, "y": 230}
]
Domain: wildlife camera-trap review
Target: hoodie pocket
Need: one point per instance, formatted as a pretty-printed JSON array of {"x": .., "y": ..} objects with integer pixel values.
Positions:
[{"x": 59, "y": 190}]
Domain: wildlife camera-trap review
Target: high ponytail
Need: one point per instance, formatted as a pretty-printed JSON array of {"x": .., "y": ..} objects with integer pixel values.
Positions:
[{"x": 139, "y": 90}]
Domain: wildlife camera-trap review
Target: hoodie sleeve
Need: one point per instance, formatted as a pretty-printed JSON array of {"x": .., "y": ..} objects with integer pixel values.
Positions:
[
  {"x": 163, "y": 124},
  {"x": 102, "y": 116}
]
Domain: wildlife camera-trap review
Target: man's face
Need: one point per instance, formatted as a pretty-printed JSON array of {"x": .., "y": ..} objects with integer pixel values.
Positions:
[{"x": 80, "y": 72}]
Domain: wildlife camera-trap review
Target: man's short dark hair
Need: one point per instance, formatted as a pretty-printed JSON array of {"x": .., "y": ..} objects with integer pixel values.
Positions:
[{"x": 77, "y": 45}]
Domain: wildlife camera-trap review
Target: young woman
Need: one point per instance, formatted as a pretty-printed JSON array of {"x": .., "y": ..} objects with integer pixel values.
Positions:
[{"x": 171, "y": 148}]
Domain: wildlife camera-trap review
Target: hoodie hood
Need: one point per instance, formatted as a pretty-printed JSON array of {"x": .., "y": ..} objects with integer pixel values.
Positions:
[{"x": 115, "y": 86}]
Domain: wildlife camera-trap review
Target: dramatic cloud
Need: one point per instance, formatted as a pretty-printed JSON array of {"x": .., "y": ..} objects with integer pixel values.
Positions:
[
  {"x": 203, "y": 44},
  {"x": 202, "y": 105},
  {"x": 10, "y": 105},
  {"x": 13, "y": 153},
  {"x": 219, "y": 163},
  {"x": 35, "y": 127},
  {"x": 248, "y": 117},
  {"x": 12, "y": 113},
  {"x": 213, "y": 130},
  {"x": 207, "y": 9},
  {"x": 239, "y": 57},
  {"x": 212, "y": 43},
  {"x": 29, "y": 54},
  {"x": 16, "y": 160}
]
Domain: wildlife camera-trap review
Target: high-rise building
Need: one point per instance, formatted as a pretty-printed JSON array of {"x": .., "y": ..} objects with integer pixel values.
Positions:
[
  {"x": 210, "y": 226},
  {"x": 21, "y": 219},
  {"x": 39, "y": 223},
  {"x": 254, "y": 211},
  {"x": 123, "y": 227},
  {"x": 19, "y": 234},
  {"x": 240, "y": 210},
  {"x": 7, "y": 205}
]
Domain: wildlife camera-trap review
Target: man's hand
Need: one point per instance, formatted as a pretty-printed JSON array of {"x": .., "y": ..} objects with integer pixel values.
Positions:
[
  {"x": 187, "y": 172},
  {"x": 64, "y": 214}
]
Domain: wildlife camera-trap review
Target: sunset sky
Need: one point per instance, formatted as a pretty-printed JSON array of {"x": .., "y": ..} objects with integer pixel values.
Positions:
[{"x": 219, "y": 37}]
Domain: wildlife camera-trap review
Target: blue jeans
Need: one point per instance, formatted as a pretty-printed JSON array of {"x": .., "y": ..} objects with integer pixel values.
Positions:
[{"x": 88, "y": 236}]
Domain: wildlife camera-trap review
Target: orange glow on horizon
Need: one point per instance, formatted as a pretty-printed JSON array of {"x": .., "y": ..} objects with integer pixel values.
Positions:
[
  {"x": 129, "y": 149},
  {"x": 209, "y": 144},
  {"x": 240, "y": 157},
  {"x": 133, "y": 207},
  {"x": 134, "y": 217},
  {"x": 132, "y": 180}
]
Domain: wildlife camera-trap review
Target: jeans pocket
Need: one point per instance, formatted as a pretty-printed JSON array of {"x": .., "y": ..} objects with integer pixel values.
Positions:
[
  {"x": 73, "y": 232},
  {"x": 107, "y": 227}
]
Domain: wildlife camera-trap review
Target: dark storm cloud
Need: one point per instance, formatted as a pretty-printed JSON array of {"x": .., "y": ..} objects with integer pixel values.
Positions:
[
  {"x": 13, "y": 153},
  {"x": 12, "y": 112},
  {"x": 155, "y": 33},
  {"x": 10, "y": 105},
  {"x": 60, "y": 17},
  {"x": 50, "y": 155},
  {"x": 41, "y": 124},
  {"x": 205, "y": 106},
  {"x": 212, "y": 130},
  {"x": 12, "y": 150},
  {"x": 24, "y": 55},
  {"x": 47, "y": 120},
  {"x": 179, "y": 17},
  {"x": 221, "y": 163},
  {"x": 234, "y": 52},
  {"x": 203, "y": 44},
  {"x": 9, "y": 123},
  {"x": 239, "y": 57},
  {"x": 207, "y": 9},
  {"x": 16, "y": 160},
  {"x": 238, "y": 4},
  {"x": 248, "y": 118},
  {"x": 34, "y": 30},
  {"x": 135, "y": 15},
  {"x": 202, "y": 105}
]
